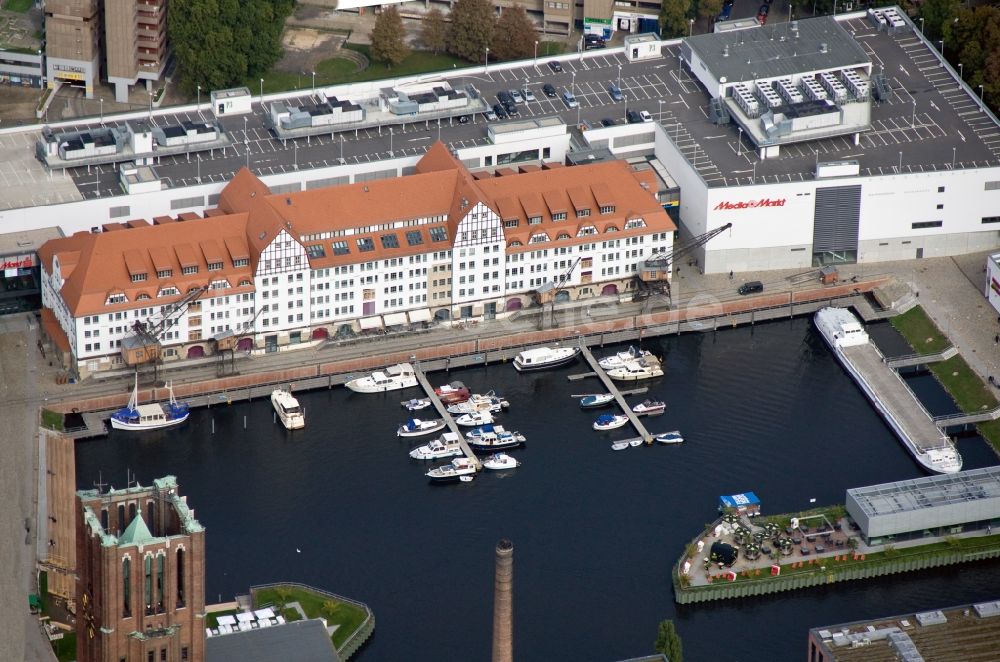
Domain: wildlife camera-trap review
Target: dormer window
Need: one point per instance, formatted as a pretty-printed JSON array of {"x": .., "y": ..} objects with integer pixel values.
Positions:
[
  {"x": 611, "y": 228},
  {"x": 538, "y": 238},
  {"x": 164, "y": 273},
  {"x": 534, "y": 220},
  {"x": 168, "y": 292},
  {"x": 116, "y": 298},
  {"x": 366, "y": 244},
  {"x": 510, "y": 223},
  {"x": 143, "y": 297},
  {"x": 215, "y": 266},
  {"x": 634, "y": 223},
  {"x": 583, "y": 212},
  {"x": 586, "y": 231},
  {"x": 219, "y": 284},
  {"x": 559, "y": 216},
  {"x": 187, "y": 271},
  {"x": 241, "y": 262},
  {"x": 138, "y": 278},
  {"x": 516, "y": 243},
  {"x": 608, "y": 209}
]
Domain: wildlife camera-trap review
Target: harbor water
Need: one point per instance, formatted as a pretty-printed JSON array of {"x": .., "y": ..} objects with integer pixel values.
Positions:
[{"x": 341, "y": 506}]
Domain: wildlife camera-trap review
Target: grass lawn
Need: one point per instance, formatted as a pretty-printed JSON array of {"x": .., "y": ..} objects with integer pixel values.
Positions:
[
  {"x": 346, "y": 615},
  {"x": 964, "y": 385},
  {"x": 18, "y": 5},
  {"x": 918, "y": 329},
  {"x": 551, "y": 48},
  {"x": 52, "y": 420},
  {"x": 65, "y": 648},
  {"x": 337, "y": 70}
]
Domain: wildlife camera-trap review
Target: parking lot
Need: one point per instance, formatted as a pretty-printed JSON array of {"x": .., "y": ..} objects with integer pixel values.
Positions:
[{"x": 651, "y": 85}]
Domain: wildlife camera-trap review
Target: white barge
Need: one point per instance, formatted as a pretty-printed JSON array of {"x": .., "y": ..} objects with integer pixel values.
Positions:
[{"x": 887, "y": 391}]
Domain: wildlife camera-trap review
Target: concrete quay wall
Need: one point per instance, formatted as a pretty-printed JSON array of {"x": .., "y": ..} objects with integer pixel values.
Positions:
[
  {"x": 495, "y": 349},
  {"x": 834, "y": 572}
]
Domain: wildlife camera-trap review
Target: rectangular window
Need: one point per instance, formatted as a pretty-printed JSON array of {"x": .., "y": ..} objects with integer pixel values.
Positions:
[
  {"x": 340, "y": 248},
  {"x": 608, "y": 209},
  {"x": 991, "y": 219},
  {"x": 366, "y": 244},
  {"x": 165, "y": 273},
  {"x": 242, "y": 262},
  {"x": 215, "y": 266},
  {"x": 940, "y": 189},
  {"x": 439, "y": 234},
  {"x": 559, "y": 216},
  {"x": 390, "y": 241},
  {"x": 583, "y": 212},
  {"x": 315, "y": 250},
  {"x": 189, "y": 270},
  {"x": 926, "y": 224},
  {"x": 414, "y": 238},
  {"x": 138, "y": 278},
  {"x": 993, "y": 186}
]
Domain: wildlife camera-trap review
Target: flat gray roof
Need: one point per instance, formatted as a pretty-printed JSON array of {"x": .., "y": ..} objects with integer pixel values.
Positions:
[
  {"x": 779, "y": 50},
  {"x": 26, "y": 241},
  {"x": 300, "y": 641},
  {"x": 928, "y": 492}
]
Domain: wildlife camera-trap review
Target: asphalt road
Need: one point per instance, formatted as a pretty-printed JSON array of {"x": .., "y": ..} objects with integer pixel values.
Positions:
[{"x": 644, "y": 84}]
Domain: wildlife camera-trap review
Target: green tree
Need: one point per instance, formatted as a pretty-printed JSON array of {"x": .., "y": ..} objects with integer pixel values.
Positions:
[
  {"x": 937, "y": 14},
  {"x": 668, "y": 641},
  {"x": 389, "y": 38},
  {"x": 219, "y": 43},
  {"x": 434, "y": 33},
  {"x": 673, "y": 18},
  {"x": 330, "y": 608},
  {"x": 710, "y": 10},
  {"x": 471, "y": 29},
  {"x": 973, "y": 38},
  {"x": 514, "y": 36}
]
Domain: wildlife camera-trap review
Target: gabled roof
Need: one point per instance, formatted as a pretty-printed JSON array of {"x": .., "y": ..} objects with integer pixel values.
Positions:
[{"x": 137, "y": 533}]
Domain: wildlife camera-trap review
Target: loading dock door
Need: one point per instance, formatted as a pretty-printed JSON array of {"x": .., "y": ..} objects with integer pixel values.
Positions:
[{"x": 835, "y": 229}]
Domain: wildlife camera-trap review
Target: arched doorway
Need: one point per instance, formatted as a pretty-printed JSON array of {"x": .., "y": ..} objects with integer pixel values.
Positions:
[
  {"x": 320, "y": 333},
  {"x": 244, "y": 344},
  {"x": 609, "y": 290},
  {"x": 196, "y": 352},
  {"x": 442, "y": 315},
  {"x": 562, "y": 296},
  {"x": 513, "y": 304}
]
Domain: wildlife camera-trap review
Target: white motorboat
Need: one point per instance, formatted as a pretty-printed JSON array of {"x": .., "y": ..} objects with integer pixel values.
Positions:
[
  {"x": 850, "y": 343},
  {"x": 543, "y": 358},
  {"x": 287, "y": 407},
  {"x": 596, "y": 400},
  {"x": 455, "y": 470},
  {"x": 393, "y": 378},
  {"x": 637, "y": 369},
  {"x": 619, "y": 359},
  {"x": 475, "y": 419},
  {"x": 416, "y": 404},
  {"x": 496, "y": 439},
  {"x": 610, "y": 422},
  {"x": 649, "y": 408},
  {"x": 669, "y": 438},
  {"x": 489, "y": 402},
  {"x": 453, "y": 392},
  {"x": 447, "y": 445},
  {"x": 416, "y": 427},
  {"x": 500, "y": 461},
  {"x": 134, "y": 416},
  {"x": 619, "y": 445},
  {"x": 475, "y": 433}
]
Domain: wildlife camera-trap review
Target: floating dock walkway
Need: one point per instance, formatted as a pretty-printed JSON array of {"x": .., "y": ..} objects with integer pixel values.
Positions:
[
  {"x": 895, "y": 397},
  {"x": 448, "y": 418},
  {"x": 613, "y": 390}
]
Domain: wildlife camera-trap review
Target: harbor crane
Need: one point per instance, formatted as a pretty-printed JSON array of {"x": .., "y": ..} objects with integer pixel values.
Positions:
[
  {"x": 654, "y": 273},
  {"x": 226, "y": 343},
  {"x": 143, "y": 346},
  {"x": 548, "y": 292}
]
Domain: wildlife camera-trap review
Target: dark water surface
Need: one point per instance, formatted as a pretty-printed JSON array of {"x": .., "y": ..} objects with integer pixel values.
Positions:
[{"x": 595, "y": 532}]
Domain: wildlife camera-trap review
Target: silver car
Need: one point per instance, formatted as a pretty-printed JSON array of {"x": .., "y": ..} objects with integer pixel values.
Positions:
[
  {"x": 516, "y": 96},
  {"x": 528, "y": 94}
]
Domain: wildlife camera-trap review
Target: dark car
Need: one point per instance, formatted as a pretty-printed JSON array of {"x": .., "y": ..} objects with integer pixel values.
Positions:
[
  {"x": 607, "y": 121},
  {"x": 752, "y": 287},
  {"x": 504, "y": 97},
  {"x": 500, "y": 111},
  {"x": 463, "y": 119},
  {"x": 591, "y": 44},
  {"x": 510, "y": 107},
  {"x": 615, "y": 92},
  {"x": 633, "y": 117},
  {"x": 555, "y": 66},
  {"x": 549, "y": 90}
]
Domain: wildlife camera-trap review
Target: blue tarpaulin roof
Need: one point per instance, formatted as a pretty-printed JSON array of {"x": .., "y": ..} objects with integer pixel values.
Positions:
[{"x": 741, "y": 500}]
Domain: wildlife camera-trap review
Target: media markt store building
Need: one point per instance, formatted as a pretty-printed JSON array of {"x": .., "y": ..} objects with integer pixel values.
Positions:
[{"x": 20, "y": 283}]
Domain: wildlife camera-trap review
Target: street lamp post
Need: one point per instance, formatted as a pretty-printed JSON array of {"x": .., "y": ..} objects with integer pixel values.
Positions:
[
  {"x": 102, "y": 112},
  {"x": 486, "y": 69},
  {"x": 739, "y": 145},
  {"x": 981, "y": 109},
  {"x": 341, "y": 148},
  {"x": 391, "y": 153},
  {"x": 941, "y": 46},
  {"x": 913, "y": 117},
  {"x": 921, "y": 24},
  {"x": 900, "y": 162},
  {"x": 262, "y": 92},
  {"x": 246, "y": 141},
  {"x": 619, "y": 78},
  {"x": 295, "y": 156},
  {"x": 961, "y": 75},
  {"x": 314, "y": 82},
  {"x": 536, "y": 54},
  {"x": 150, "y": 104},
  {"x": 199, "y": 168},
  {"x": 199, "y": 99},
  {"x": 659, "y": 115},
  {"x": 690, "y": 26}
]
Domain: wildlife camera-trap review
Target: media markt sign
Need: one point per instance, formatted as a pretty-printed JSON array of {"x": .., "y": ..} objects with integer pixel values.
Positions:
[{"x": 750, "y": 204}]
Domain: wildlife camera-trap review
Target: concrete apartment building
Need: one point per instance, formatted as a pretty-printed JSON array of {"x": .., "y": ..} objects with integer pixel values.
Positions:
[
  {"x": 141, "y": 567},
  {"x": 123, "y": 41},
  {"x": 279, "y": 269},
  {"x": 73, "y": 42}
]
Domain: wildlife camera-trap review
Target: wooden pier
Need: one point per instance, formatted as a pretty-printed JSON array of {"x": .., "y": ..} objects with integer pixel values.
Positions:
[
  {"x": 613, "y": 390},
  {"x": 448, "y": 418}
]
